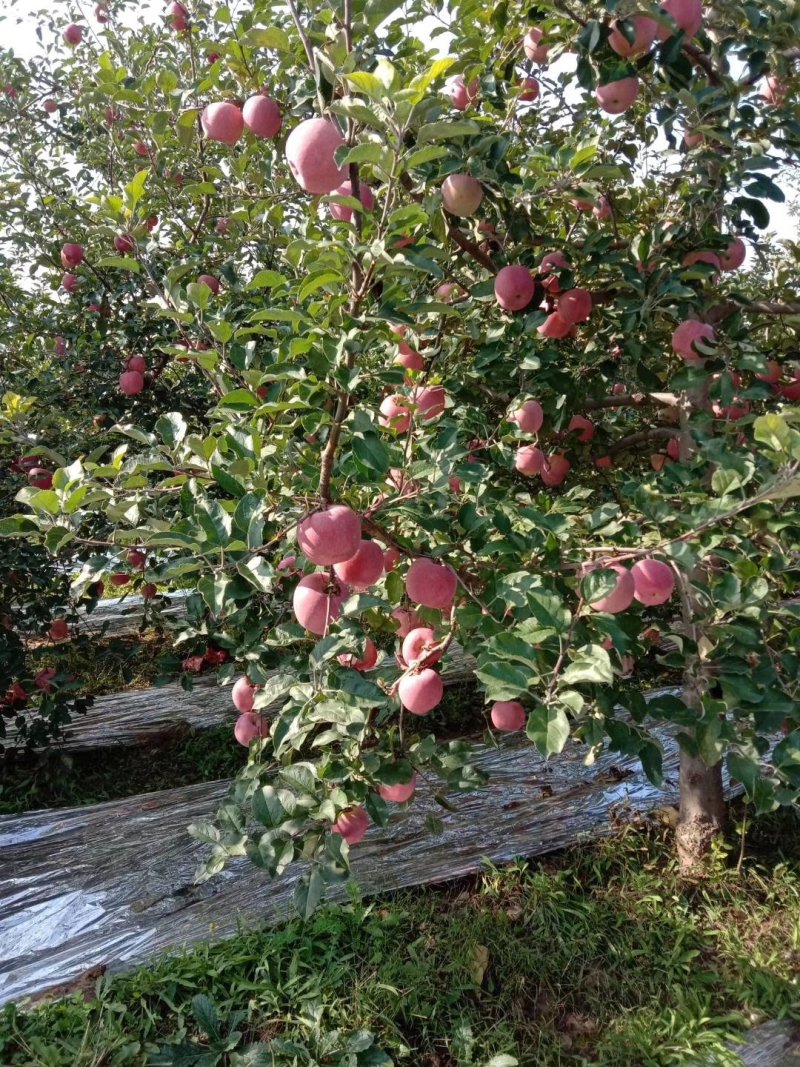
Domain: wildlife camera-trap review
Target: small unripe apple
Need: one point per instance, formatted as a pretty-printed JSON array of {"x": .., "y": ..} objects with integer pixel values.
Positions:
[
  {"x": 332, "y": 535},
  {"x": 461, "y": 194},
  {"x": 644, "y": 33},
  {"x": 514, "y": 287},
  {"x": 508, "y": 716},
  {"x": 420, "y": 693},
  {"x": 529, "y": 460},
  {"x": 554, "y": 327},
  {"x": 362, "y": 569},
  {"x": 734, "y": 255},
  {"x": 621, "y": 596},
  {"x": 310, "y": 149},
  {"x": 688, "y": 16},
  {"x": 50, "y": 107},
  {"x": 73, "y": 35},
  {"x": 352, "y": 824},
  {"x": 343, "y": 213},
  {"x": 223, "y": 122},
  {"x": 209, "y": 281},
  {"x": 462, "y": 95},
  {"x": 418, "y": 643},
  {"x": 40, "y": 478},
  {"x": 654, "y": 581},
  {"x": 59, "y": 630},
  {"x": 575, "y": 305},
  {"x": 398, "y": 794},
  {"x": 123, "y": 243},
  {"x": 131, "y": 382},
  {"x": 72, "y": 255},
  {"x": 529, "y": 416},
  {"x": 583, "y": 427},
  {"x": 395, "y": 414},
  {"x": 430, "y": 583},
  {"x": 365, "y": 662},
  {"x": 687, "y": 334},
  {"x": 249, "y": 726},
  {"x": 243, "y": 694},
  {"x": 556, "y": 468},
  {"x": 617, "y": 96}
]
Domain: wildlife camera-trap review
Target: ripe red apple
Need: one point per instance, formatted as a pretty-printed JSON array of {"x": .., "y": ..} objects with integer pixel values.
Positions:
[
  {"x": 123, "y": 243},
  {"x": 151, "y": 222},
  {"x": 701, "y": 256},
  {"x": 50, "y": 107},
  {"x": 617, "y": 96},
  {"x": 408, "y": 358},
  {"x": 398, "y": 794},
  {"x": 551, "y": 262},
  {"x": 178, "y": 17},
  {"x": 621, "y": 596},
  {"x": 654, "y": 581},
  {"x": 362, "y": 569},
  {"x": 310, "y": 149},
  {"x": 210, "y": 281},
  {"x": 692, "y": 139},
  {"x": 193, "y": 664},
  {"x": 774, "y": 91},
  {"x": 317, "y": 601},
  {"x": 529, "y": 460},
  {"x": 418, "y": 643},
  {"x": 40, "y": 478},
  {"x": 341, "y": 212},
  {"x": 136, "y": 363},
  {"x": 394, "y": 414},
  {"x": 136, "y": 558},
  {"x": 60, "y": 346},
  {"x": 689, "y": 332},
  {"x": 59, "y": 630},
  {"x": 421, "y": 692},
  {"x": 773, "y": 373},
  {"x": 534, "y": 50},
  {"x": 688, "y": 16},
  {"x": 529, "y": 90},
  {"x": 674, "y": 448},
  {"x": 101, "y": 14},
  {"x": 249, "y": 726},
  {"x": 529, "y": 416},
  {"x": 352, "y": 824},
  {"x": 430, "y": 583},
  {"x": 508, "y": 715},
  {"x": 555, "y": 469},
  {"x": 644, "y": 33},
  {"x": 131, "y": 382},
  {"x": 243, "y": 694},
  {"x": 514, "y": 287},
  {"x": 407, "y": 621},
  {"x": 429, "y": 402},
  {"x": 330, "y": 536},
  {"x": 365, "y": 662},
  {"x": 148, "y": 591},
  {"x": 223, "y": 122},
  {"x": 461, "y": 95},
  {"x": 604, "y": 462},
  {"x": 141, "y": 149},
  {"x": 73, "y": 35},
  {"x": 119, "y": 578},
  {"x": 575, "y": 305},
  {"x": 391, "y": 557},
  {"x": 734, "y": 255},
  {"x": 43, "y": 679},
  {"x": 72, "y": 255},
  {"x": 554, "y": 327},
  {"x": 16, "y": 696},
  {"x": 583, "y": 427},
  {"x": 461, "y": 194},
  {"x": 602, "y": 209}
]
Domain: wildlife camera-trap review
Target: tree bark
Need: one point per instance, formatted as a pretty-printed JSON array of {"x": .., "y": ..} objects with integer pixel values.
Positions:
[{"x": 701, "y": 815}]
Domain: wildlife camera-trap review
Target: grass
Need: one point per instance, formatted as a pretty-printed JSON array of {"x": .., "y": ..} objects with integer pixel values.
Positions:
[
  {"x": 107, "y": 665},
  {"x": 598, "y": 955}
]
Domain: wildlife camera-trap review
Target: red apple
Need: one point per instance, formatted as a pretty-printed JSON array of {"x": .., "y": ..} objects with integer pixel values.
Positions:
[
  {"x": 514, "y": 287},
  {"x": 310, "y": 149},
  {"x": 364, "y": 568},
  {"x": 343, "y": 213},
  {"x": 262, "y": 116},
  {"x": 317, "y": 601},
  {"x": 430, "y": 583},
  {"x": 461, "y": 194},
  {"x": 508, "y": 716},
  {"x": 332, "y": 535},
  {"x": 352, "y": 824},
  {"x": 73, "y": 35},
  {"x": 223, "y": 122},
  {"x": 617, "y": 96}
]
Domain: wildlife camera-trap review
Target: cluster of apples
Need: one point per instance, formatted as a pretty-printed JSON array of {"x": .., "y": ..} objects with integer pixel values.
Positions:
[{"x": 650, "y": 581}]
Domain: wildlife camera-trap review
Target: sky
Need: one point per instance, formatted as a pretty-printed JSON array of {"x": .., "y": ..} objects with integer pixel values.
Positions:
[{"x": 21, "y": 38}]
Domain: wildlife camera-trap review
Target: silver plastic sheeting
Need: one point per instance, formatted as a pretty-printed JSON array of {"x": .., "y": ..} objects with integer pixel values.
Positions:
[
  {"x": 775, "y": 1044},
  {"x": 111, "y": 885}
]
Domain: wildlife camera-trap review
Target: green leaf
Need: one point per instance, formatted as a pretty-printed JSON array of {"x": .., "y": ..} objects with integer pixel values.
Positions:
[
  {"x": 425, "y": 155},
  {"x": 591, "y": 664},
  {"x": 447, "y": 131},
  {"x": 501, "y": 680},
  {"x": 239, "y": 400},
  {"x": 17, "y": 526},
  {"x": 548, "y": 728},
  {"x": 267, "y": 37},
  {"x": 267, "y": 279},
  {"x": 368, "y": 83},
  {"x": 372, "y": 454},
  {"x": 171, "y": 428},
  {"x": 308, "y": 893},
  {"x": 772, "y": 430},
  {"x": 120, "y": 263}
]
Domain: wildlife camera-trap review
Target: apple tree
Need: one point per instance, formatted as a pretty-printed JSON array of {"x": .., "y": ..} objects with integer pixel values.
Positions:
[{"x": 400, "y": 353}]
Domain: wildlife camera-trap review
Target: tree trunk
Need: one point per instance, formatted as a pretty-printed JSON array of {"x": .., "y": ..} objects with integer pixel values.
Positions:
[{"x": 702, "y": 812}]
